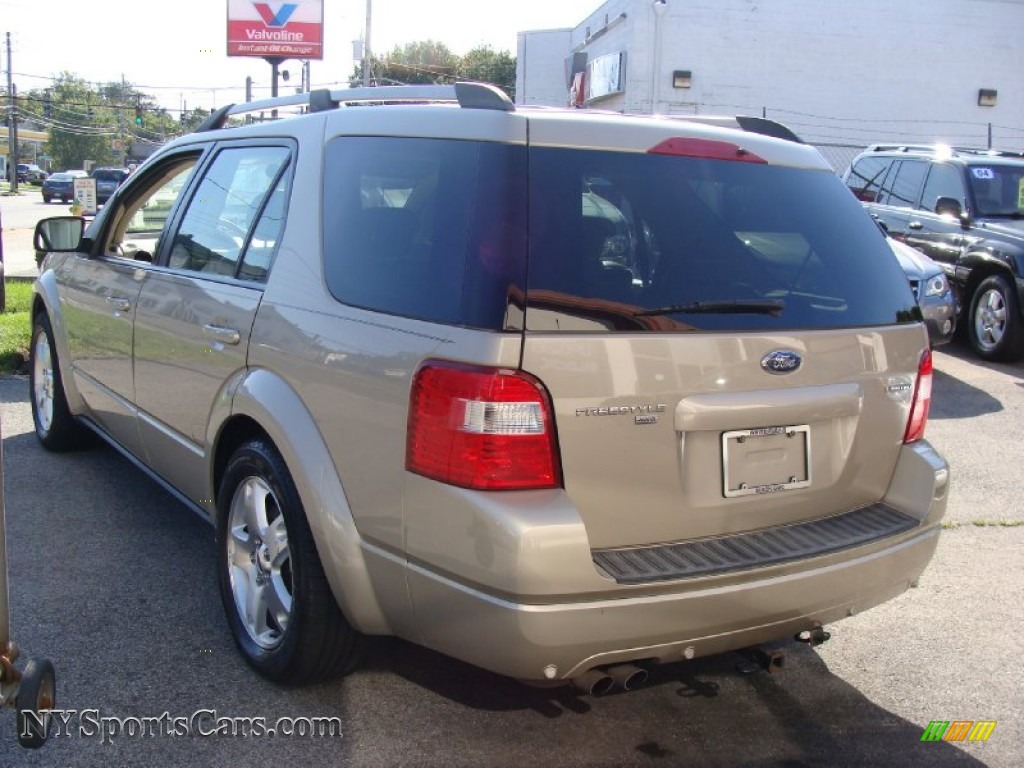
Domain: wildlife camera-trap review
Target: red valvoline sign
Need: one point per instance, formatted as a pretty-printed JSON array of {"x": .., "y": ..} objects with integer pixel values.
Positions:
[{"x": 293, "y": 29}]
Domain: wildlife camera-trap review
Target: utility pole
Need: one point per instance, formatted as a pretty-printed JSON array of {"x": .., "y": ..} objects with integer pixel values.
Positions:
[
  {"x": 13, "y": 124},
  {"x": 366, "y": 47},
  {"x": 120, "y": 122}
]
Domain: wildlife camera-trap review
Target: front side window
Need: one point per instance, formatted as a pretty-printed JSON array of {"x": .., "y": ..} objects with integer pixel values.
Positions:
[
  {"x": 943, "y": 181},
  {"x": 139, "y": 226},
  {"x": 425, "y": 228},
  {"x": 217, "y": 222},
  {"x": 640, "y": 243}
]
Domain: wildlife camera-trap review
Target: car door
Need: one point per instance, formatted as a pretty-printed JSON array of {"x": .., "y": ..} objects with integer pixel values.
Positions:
[
  {"x": 940, "y": 235},
  {"x": 899, "y": 195},
  {"x": 99, "y": 293},
  {"x": 196, "y": 309}
]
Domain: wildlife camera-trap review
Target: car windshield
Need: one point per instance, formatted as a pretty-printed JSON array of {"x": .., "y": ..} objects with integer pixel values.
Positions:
[
  {"x": 60, "y": 177},
  {"x": 642, "y": 243},
  {"x": 998, "y": 189}
]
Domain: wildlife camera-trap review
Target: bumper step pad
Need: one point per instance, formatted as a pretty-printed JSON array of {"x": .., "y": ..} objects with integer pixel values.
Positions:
[{"x": 702, "y": 557}]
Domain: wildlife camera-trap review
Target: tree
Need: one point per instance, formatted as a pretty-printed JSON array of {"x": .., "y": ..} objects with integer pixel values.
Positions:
[
  {"x": 430, "y": 62},
  {"x": 485, "y": 65},
  {"x": 82, "y": 125}
]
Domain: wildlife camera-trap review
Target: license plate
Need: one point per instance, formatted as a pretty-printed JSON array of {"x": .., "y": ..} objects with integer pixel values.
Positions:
[{"x": 766, "y": 460}]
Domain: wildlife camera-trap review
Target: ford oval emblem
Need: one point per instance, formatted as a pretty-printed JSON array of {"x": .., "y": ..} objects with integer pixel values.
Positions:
[{"x": 781, "y": 361}]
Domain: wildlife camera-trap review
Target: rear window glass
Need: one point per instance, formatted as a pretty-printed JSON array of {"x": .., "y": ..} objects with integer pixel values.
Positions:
[
  {"x": 653, "y": 243},
  {"x": 425, "y": 228},
  {"x": 109, "y": 175}
]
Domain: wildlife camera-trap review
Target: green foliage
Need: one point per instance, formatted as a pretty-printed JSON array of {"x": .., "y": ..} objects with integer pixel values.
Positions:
[
  {"x": 430, "y": 62},
  {"x": 15, "y": 330},
  {"x": 85, "y": 119},
  {"x": 485, "y": 65}
]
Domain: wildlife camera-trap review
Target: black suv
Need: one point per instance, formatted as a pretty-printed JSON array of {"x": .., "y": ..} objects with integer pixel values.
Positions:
[{"x": 965, "y": 209}]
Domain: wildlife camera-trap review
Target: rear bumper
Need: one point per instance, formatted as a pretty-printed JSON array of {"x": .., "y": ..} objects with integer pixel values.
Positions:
[
  {"x": 558, "y": 612},
  {"x": 521, "y": 640}
]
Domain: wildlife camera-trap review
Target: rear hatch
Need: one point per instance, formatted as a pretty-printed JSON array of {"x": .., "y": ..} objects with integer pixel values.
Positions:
[{"x": 729, "y": 344}]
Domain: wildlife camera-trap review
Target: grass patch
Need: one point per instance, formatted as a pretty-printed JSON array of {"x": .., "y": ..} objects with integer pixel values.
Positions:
[{"x": 15, "y": 329}]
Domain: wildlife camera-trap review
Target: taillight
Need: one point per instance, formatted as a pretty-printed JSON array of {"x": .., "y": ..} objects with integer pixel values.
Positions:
[
  {"x": 482, "y": 428},
  {"x": 922, "y": 401}
]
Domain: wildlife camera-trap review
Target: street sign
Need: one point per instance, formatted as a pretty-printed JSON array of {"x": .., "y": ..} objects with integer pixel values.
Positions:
[
  {"x": 117, "y": 145},
  {"x": 85, "y": 195},
  {"x": 292, "y": 30}
]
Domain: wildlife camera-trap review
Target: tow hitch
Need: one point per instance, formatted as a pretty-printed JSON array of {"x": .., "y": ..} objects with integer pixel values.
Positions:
[
  {"x": 768, "y": 659},
  {"x": 813, "y": 637}
]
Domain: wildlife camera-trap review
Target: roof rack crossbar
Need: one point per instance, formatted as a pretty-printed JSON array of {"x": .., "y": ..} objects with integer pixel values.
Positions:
[{"x": 467, "y": 95}]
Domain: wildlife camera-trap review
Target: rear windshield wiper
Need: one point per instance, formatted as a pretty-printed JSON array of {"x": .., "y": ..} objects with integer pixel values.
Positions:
[{"x": 735, "y": 307}]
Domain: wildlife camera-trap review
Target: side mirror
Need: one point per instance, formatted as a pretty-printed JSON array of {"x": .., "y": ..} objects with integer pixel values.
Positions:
[
  {"x": 59, "y": 234},
  {"x": 948, "y": 206}
]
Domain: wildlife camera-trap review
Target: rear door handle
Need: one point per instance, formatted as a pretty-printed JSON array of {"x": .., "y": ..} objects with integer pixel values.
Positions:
[
  {"x": 119, "y": 303},
  {"x": 225, "y": 335},
  {"x": 915, "y": 225}
]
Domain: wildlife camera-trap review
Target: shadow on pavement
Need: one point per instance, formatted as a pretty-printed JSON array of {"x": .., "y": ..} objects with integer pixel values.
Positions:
[
  {"x": 956, "y": 399},
  {"x": 704, "y": 712}
]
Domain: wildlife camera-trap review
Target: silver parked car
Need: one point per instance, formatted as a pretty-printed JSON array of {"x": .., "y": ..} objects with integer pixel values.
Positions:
[
  {"x": 559, "y": 394},
  {"x": 934, "y": 294}
]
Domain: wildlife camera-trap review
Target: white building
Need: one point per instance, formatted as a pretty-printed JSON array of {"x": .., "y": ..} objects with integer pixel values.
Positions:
[{"x": 835, "y": 72}]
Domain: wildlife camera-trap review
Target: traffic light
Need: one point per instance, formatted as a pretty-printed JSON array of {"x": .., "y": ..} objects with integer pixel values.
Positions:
[
  {"x": 47, "y": 105},
  {"x": 138, "y": 111}
]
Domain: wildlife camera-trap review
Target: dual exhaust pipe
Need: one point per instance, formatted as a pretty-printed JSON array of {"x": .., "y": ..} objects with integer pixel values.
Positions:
[{"x": 598, "y": 682}]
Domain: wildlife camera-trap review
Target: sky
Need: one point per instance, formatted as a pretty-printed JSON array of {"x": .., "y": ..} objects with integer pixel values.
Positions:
[{"x": 176, "y": 50}]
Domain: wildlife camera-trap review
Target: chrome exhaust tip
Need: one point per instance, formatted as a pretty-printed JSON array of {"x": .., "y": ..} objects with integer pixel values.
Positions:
[
  {"x": 594, "y": 682},
  {"x": 628, "y": 676}
]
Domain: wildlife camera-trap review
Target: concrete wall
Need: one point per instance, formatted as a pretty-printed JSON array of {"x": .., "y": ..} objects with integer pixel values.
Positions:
[{"x": 833, "y": 71}]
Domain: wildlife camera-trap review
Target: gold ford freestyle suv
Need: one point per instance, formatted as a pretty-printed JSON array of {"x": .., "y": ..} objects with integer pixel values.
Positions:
[{"x": 552, "y": 392}]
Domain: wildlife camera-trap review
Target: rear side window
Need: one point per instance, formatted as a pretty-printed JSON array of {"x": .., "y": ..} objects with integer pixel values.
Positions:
[
  {"x": 425, "y": 228},
  {"x": 866, "y": 176},
  {"x": 903, "y": 184},
  {"x": 633, "y": 242}
]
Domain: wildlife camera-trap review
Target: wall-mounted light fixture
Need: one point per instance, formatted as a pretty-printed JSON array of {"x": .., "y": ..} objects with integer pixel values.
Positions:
[
  {"x": 682, "y": 78},
  {"x": 987, "y": 97}
]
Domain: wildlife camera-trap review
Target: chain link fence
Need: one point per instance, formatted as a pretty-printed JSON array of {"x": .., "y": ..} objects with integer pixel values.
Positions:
[{"x": 839, "y": 156}]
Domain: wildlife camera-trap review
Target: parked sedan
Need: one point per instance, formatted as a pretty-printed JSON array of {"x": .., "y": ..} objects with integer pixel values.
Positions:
[
  {"x": 59, "y": 186},
  {"x": 932, "y": 290}
]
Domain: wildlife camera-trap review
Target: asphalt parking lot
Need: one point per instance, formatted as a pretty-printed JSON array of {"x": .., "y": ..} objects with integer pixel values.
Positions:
[{"x": 114, "y": 581}]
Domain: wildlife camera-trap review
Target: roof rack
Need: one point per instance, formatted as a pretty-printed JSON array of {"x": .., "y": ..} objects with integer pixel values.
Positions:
[
  {"x": 760, "y": 125},
  {"x": 980, "y": 151},
  {"x": 467, "y": 95}
]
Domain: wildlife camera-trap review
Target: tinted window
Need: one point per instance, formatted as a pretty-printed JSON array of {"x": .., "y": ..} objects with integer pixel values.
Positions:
[
  {"x": 626, "y": 241},
  {"x": 903, "y": 184},
  {"x": 943, "y": 181},
  {"x": 425, "y": 228},
  {"x": 109, "y": 174},
  {"x": 998, "y": 188},
  {"x": 222, "y": 210},
  {"x": 866, "y": 177}
]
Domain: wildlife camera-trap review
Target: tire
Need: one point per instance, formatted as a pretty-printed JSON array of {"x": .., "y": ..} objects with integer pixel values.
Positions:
[
  {"x": 37, "y": 694},
  {"x": 297, "y": 634},
  {"x": 55, "y": 427},
  {"x": 47, "y": 199},
  {"x": 994, "y": 323}
]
